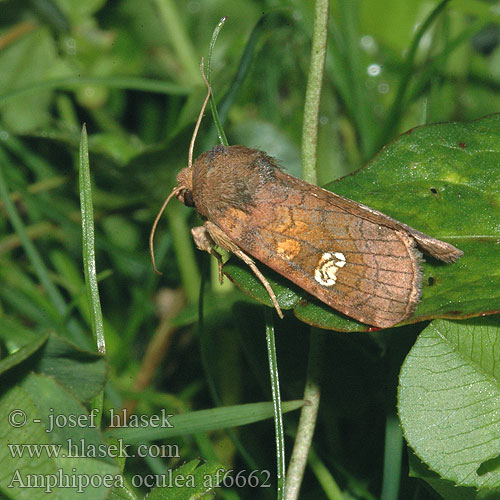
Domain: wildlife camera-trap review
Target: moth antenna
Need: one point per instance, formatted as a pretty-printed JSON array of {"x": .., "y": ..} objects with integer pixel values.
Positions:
[
  {"x": 177, "y": 189},
  {"x": 198, "y": 122},
  {"x": 174, "y": 192}
]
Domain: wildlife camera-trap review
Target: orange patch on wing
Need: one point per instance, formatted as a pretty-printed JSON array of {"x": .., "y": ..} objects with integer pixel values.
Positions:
[{"x": 288, "y": 249}]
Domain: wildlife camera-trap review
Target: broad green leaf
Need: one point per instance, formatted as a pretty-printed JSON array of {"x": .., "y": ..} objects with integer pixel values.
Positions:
[
  {"x": 449, "y": 401},
  {"x": 21, "y": 354},
  {"x": 189, "y": 482},
  {"x": 442, "y": 180},
  {"x": 22, "y": 292},
  {"x": 447, "y": 489},
  {"x": 81, "y": 372},
  {"x": 14, "y": 407},
  {"x": 61, "y": 454},
  {"x": 124, "y": 492},
  {"x": 15, "y": 334},
  {"x": 27, "y": 61}
]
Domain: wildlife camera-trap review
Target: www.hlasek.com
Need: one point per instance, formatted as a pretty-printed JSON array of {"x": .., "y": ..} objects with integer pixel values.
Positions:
[
  {"x": 83, "y": 449},
  {"x": 80, "y": 482}
]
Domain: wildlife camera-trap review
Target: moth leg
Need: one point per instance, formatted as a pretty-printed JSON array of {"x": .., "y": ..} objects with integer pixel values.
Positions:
[
  {"x": 204, "y": 242},
  {"x": 219, "y": 237},
  {"x": 248, "y": 260}
]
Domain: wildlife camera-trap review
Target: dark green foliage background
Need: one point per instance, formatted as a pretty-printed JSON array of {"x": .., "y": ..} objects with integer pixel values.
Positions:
[{"x": 130, "y": 71}]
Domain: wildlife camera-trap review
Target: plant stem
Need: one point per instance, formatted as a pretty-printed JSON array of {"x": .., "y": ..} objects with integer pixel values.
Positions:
[
  {"x": 313, "y": 92},
  {"x": 174, "y": 29},
  {"x": 307, "y": 422}
]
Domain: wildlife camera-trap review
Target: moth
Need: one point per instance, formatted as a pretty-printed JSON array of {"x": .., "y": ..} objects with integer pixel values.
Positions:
[{"x": 355, "y": 259}]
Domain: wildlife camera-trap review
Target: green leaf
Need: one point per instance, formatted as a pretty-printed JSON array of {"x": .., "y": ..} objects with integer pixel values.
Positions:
[
  {"x": 449, "y": 400},
  {"x": 124, "y": 492},
  {"x": 202, "y": 421},
  {"x": 189, "y": 482},
  {"x": 88, "y": 237},
  {"x": 27, "y": 61},
  {"x": 442, "y": 180},
  {"x": 60, "y": 454},
  {"x": 76, "y": 82},
  {"x": 447, "y": 489},
  {"x": 81, "y": 372},
  {"x": 15, "y": 334},
  {"x": 21, "y": 354}
]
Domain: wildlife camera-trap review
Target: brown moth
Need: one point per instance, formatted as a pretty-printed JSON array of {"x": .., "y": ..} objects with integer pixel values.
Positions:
[{"x": 351, "y": 257}]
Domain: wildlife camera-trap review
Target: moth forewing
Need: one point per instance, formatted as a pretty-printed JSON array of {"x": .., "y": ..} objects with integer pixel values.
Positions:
[
  {"x": 355, "y": 259},
  {"x": 436, "y": 248}
]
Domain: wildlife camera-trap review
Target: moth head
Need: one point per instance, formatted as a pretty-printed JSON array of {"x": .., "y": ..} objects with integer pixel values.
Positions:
[{"x": 185, "y": 187}]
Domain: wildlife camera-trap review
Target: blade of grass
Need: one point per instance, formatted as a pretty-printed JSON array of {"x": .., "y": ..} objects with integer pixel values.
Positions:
[
  {"x": 38, "y": 165},
  {"x": 22, "y": 293},
  {"x": 241, "y": 72},
  {"x": 353, "y": 69},
  {"x": 239, "y": 77},
  {"x": 89, "y": 266},
  {"x": 184, "y": 251},
  {"x": 51, "y": 14},
  {"x": 88, "y": 244},
  {"x": 117, "y": 82},
  {"x": 278, "y": 416},
  {"x": 175, "y": 31},
  {"x": 434, "y": 67},
  {"x": 324, "y": 477},
  {"x": 393, "y": 451},
  {"x": 39, "y": 266},
  {"x": 308, "y": 416},
  {"x": 213, "y": 106},
  {"x": 213, "y": 419},
  {"x": 214, "y": 266},
  {"x": 397, "y": 107}
]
